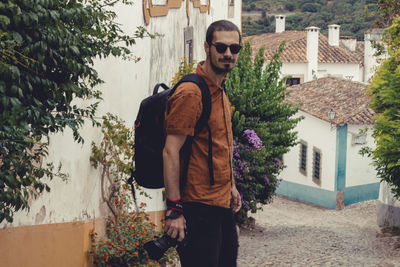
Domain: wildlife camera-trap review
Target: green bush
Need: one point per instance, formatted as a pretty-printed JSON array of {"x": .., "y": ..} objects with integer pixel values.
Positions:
[{"x": 262, "y": 127}]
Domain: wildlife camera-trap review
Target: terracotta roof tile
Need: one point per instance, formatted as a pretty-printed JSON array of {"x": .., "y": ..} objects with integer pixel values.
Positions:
[
  {"x": 347, "y": 98},
  {"x": 295, "y": 50}
]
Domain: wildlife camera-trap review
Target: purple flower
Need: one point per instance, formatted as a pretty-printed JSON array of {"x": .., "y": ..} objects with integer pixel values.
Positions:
[
  {"x": 266, "y": 179},
  {"x": 237, "y": 155},
  {"x": 277, "y": 162},
  {"x": 244, "y": 202},
  {"x": 253, "y": 138}
]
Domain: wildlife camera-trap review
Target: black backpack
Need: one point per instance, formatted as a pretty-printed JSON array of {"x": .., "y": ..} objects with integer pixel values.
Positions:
[{"x": 150, "y": 135}]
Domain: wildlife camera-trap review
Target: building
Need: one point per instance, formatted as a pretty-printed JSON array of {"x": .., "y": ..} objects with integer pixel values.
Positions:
[
  {"x": 55, "y": 231},
  {"x": 325, "y": 168},
  {"x": 310, "y": 55}
]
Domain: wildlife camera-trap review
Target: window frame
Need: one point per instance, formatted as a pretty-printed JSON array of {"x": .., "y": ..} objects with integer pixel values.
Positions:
[
  {"x": 303, "y": 171},
  {"x": 292, "y": 79},
  {"x": 316, "y": 179}
]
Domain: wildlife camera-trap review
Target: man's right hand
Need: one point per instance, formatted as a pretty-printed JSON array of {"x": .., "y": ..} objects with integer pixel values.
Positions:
[{"x": 175, "y": 227}]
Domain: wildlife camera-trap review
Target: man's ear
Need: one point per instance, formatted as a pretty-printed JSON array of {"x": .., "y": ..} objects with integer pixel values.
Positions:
[{"x": 206, "y": 48}]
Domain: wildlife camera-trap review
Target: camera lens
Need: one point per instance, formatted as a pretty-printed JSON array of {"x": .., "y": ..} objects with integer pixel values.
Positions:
[{"x": 157, "y": 248}]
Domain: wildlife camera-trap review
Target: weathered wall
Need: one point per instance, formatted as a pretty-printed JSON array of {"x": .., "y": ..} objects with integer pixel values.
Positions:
[
  {"x": 359, "y": 170},
  {"x": 388, "y": 208},
  {"x": 316, "y": 133},
  {"x": 296, "y": 70},
  {"x": 347, "y": 71},
  {"x": 75, "y": 205}
]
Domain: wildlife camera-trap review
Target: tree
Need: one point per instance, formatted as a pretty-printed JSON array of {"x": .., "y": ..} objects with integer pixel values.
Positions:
[
  {"x": 262, "y": 126},
  {"x": 48, "y": 63},
  {"x": 310, "y": 7},
  {"x": 290, "y": 6},
  {"x": 387, "y": 12},
  {"x": 385, "y": 90}
]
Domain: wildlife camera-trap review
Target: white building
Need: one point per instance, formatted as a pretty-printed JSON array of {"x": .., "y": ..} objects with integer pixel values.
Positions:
[
  {"x": 326, "y": 167},
  {"x": 55, "y": 231},
  {"x": 310, "y": 55}
]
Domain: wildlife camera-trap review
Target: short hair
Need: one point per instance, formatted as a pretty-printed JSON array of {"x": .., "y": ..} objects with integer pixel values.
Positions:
[{"x": 221, "y": 25}]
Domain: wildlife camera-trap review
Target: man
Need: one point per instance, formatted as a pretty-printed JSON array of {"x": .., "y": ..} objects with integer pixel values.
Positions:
[{"x": 206, "y": 208}]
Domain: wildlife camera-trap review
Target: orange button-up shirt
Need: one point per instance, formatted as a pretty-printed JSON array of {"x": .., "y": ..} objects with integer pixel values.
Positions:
[{"x": 183, "y": 111}]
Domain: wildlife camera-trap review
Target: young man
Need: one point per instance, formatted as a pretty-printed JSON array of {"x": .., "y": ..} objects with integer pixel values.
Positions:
[{"x": 207, "y": 208}]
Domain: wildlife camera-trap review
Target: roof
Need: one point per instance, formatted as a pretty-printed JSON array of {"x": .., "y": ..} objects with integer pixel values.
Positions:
[
  {"x": 347, "y": 98},
  {"x": 295, "y": 50},
  {"x": 358, "y": 53}
]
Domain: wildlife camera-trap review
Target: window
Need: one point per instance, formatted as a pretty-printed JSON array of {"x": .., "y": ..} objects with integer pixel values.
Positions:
[
  {"x": 303, "y": 158},
  {"x": 358, "y": 139},
  {"x": 189, "y": 44},
  {"x": 231, "y": 8},
  {"x": 316, "y": 166},
  {"x": 292, "y": 81}
]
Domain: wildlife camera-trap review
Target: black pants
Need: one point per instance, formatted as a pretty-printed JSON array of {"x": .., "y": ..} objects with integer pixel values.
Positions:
[{"x": 212, "y": 237}]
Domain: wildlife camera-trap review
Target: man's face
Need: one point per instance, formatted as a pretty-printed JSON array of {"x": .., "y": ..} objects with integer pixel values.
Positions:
[{"x": 223, "y": 62}]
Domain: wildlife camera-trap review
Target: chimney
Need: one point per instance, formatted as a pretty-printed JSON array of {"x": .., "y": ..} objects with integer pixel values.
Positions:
[
  {"x": 312, "y": 52},
  {"x": 279, "y": 23},
  {"x": 333, "y": 34},
  {"x": 370, "y": 59},
  {"x": 349, "y": 42}
]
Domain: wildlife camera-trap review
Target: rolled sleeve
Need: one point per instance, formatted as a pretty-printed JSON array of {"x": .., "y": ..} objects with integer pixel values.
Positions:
[{"x": 183, "y": 110}]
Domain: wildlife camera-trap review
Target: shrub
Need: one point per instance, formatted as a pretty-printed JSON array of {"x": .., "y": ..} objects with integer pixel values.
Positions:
[
  {"x": 123, "y": 246},
  {"x": 385, "y": 91},
  {"x": 126, "y": 231},
  {"x": 262, "y": 126},
  {"x": 185, "y": 67}
]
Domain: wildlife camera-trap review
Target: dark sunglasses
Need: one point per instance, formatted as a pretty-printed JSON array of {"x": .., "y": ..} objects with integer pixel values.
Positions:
[{"x": 221, "y": 48}]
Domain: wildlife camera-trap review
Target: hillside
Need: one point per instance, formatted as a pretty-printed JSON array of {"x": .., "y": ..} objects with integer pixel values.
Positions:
[{"x": 354, "y": 16}]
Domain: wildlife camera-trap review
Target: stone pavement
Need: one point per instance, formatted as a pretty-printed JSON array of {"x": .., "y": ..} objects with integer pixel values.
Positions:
[{"x": 291, "y": 233}]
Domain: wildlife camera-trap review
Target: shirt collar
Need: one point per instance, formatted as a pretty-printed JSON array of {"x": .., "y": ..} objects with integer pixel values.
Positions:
[{"x": 212, "y": 85}]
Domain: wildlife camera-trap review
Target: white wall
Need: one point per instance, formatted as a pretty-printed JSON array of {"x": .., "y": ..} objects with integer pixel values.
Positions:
[
  {"x": 340, "y": 70},
  {"x": 359, "y": 170},
  {"x": 324, "y": 69},
  {"x": 126, "y": 84},
  {"x": 388, "y": 207},
  {"x": 297, "y": 70},
  {"x": 371, "y": 62},
  {"x": 317, "y": 133}
]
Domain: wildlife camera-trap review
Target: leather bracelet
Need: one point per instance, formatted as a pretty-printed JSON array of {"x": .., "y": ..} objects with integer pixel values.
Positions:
[{"x": 176, "y": 205}]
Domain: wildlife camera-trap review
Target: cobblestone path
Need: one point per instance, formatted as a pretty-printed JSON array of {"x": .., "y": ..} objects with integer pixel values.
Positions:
[{"x": 290, "y": 233}]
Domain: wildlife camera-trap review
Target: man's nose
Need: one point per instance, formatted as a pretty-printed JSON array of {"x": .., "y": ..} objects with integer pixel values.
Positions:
[{"x": 228, "y": 52}]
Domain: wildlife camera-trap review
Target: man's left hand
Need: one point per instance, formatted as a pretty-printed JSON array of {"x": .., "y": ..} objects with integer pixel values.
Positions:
[{"x": 236, "y": 200}]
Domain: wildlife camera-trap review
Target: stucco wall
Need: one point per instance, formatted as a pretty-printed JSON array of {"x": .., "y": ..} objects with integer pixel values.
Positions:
[
  {"x": 297, "y": 70},
  {"x": 319, "y": 134},
  {"x": 76, "y": 204},
  {"x": 359, "y": 170},
  {"x": 388, "y": 208},
  {"x": 341, "y": 70}
]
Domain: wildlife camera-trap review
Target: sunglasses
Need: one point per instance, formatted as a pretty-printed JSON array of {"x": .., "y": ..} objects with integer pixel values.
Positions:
[{"x": 221, "y": 48}]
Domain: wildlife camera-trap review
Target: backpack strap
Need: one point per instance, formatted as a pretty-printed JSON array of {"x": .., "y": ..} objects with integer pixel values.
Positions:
[{"x": 186, "y": 150}]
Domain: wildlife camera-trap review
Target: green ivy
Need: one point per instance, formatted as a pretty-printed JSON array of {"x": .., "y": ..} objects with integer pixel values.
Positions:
[{"x": 47, "y": 49}]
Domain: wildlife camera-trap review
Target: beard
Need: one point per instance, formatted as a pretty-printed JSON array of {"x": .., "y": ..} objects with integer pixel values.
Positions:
[{"x": 227, "y": 67}]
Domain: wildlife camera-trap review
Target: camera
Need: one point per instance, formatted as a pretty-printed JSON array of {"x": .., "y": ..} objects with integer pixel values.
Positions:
[{"x": 157, "y": 248}]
